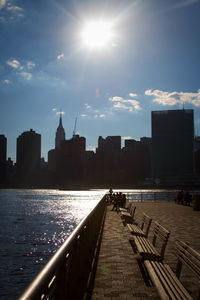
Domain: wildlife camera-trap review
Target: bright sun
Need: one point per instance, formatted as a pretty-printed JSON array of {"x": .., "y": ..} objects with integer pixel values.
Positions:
[{"x": 97, "y": 34}]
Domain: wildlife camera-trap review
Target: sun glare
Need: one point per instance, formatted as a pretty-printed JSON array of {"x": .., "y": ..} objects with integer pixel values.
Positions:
[{"x": 97, "y": 34}]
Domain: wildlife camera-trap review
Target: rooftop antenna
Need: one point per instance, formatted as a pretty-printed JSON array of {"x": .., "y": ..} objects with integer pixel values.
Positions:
[{"x": 74, "y": 131}]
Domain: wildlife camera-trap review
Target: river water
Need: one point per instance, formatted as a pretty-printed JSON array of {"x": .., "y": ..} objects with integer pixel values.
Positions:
[{"x": 35, "y": 223}]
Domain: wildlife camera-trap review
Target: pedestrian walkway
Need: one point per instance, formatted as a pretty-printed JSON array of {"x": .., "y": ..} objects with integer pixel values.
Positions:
[{"x": 119, "y": 275}]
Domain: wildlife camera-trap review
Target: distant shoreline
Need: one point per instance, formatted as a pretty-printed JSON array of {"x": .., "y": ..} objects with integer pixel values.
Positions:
[{"x": 105, "y": 187}]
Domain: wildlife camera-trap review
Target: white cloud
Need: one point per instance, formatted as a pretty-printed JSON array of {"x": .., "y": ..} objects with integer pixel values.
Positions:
[
  {"x": 30, "y": 64},
  {"x": 14, "y": 63},
  {"x": 60, "y": 56},
  {"x": 7, "y": 81},
  {"x": 13, "y": 11},
  {"x": 10, "y": 11},
  {"x": 2, "y": 3},
  {"x": 127, "y": 138},
  {"x": 120, "y": 105},
  {"x": 21, "y": 70},
  {"x": 91, "y": 148},
  {"x": 132, "y": 95},
  {"x": 14, "y": 8},
  {"x": 174, "y": 98},
  {"x": 87, "y": 106},
  {"x": 126, "y": 104},
  {"x": 60, "y": 112},
  {"x": 116, "y": 98},
  {"x": 25, "y": 75}
]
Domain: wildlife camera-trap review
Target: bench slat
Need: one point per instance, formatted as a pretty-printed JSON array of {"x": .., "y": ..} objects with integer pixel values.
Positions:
[
  {"x": 155, "y": 279},
  {"x": 135, "y": 230},
  {"x": 128, "y": 216},
  {"x": 143, "y": 230},
  {"x": 167, "y": 284},
  {"x": 164, "y": 280},
  {"x": 175, "y": 279},
  {"x": 189, "y": 257},
  {"x": 173, "y": 282},
  {"x": 126, "y": 209},
  {"x": 146, "y": 249}
]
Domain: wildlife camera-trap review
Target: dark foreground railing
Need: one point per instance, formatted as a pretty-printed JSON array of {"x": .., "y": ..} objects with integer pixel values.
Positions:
[{"x": 70, "y": 272}]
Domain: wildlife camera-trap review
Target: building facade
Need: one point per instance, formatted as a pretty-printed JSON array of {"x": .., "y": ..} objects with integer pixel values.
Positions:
[
  {"x": 28, "y": 154},
  {"x": 70, "y": 159},
  {"x": 3, "y": 155},
  {"x": 172, "y": 143}
]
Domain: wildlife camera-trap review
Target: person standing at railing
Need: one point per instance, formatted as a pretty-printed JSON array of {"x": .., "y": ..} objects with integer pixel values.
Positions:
[
  {"x": 123, "y": 201},
  {"x": 111, "y": 195},
  {"x": 118, "y": 201},
  {"x": 179, "y": 197},
  {"x": 187, "y": 198}
]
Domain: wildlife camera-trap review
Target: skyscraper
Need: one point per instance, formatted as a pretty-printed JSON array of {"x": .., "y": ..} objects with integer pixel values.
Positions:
[
  {"x": 3, "y": 151},
  {"x": 109, "y": 145},
  {"x": 71, "y": 158},
  {"x": 60, "y": 134},
  {"x": 172, "y": 142},
  {"x": 28, "y": 153}
]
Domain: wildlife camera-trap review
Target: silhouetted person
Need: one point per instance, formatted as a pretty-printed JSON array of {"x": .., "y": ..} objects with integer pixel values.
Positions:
[
  {"x": 179, "y": 198},
  {"x": 187, "y": 198},
  {"x": 123, "y": 201},
  {"x": 111, "y": 195}
]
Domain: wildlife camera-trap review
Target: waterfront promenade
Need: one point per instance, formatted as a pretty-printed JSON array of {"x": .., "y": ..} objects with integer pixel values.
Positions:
[{"x": 119, "y": 276}]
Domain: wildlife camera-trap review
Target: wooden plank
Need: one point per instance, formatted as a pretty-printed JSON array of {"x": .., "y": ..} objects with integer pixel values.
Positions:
[
  {"x": 134, "y": 229},
  {"x": 179, "y": 284},
  {"x": 172, "y": 282},
  {"x": 164, "y": 277},
  {"x": 164, "y": 280},
  {"x": 188, "y": 257},
  {"x": 192, "y": 256},
  {"x": 146, "y": 249},
  {"x": 155, "y": 279}
]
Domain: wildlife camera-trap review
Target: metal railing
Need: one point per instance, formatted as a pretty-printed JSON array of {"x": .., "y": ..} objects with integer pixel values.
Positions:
[
  {"x": 155, "y": 196},
  {"x": 70, "y": 272},
  {"x": 151, "y": 196}
]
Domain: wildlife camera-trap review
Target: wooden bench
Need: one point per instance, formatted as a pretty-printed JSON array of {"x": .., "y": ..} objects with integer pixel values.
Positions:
[
  {"x": 126, "y": 209},
  {"x": 128, "y": 217},
  {"x": 167, "y": 282},
  {"x": 143, "y": 230},
  {"x": 156, "y": 249}
]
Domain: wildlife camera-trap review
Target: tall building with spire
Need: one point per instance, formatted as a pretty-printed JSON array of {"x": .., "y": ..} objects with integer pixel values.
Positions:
[{"x": 60, "y": 133}]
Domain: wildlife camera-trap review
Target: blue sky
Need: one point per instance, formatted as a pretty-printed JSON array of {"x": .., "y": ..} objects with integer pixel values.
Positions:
[{"x": 151, "y": 63}]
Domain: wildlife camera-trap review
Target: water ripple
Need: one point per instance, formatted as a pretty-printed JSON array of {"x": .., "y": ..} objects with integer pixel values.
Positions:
[{"x": 35, "y": 224}]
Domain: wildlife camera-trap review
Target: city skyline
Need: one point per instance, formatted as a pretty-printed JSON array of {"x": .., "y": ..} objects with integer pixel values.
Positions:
[{"x": 151, "y": 63}]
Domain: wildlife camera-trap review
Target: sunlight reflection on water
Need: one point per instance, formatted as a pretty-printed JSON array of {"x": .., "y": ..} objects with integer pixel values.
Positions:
[{"x": 35, "y": 224}]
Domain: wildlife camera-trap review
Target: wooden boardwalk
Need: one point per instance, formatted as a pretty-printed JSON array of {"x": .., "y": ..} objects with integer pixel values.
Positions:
[{"x": 119, "y": 275}]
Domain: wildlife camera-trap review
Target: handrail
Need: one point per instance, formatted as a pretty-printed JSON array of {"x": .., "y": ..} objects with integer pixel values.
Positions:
[{"x": 58, "y": 275}]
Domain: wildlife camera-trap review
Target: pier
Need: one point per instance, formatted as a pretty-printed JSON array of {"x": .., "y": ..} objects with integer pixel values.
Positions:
[
  {"x": 119, "y": 275},
  {"x": 114, "y": 270}
]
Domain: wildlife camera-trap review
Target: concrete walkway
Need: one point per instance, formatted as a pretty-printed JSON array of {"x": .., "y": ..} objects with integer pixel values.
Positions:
[{"x": 119, "y": 275}]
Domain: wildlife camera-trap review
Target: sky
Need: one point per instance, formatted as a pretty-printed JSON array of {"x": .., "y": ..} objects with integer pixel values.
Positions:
[{"x": 150, "y": 61}]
